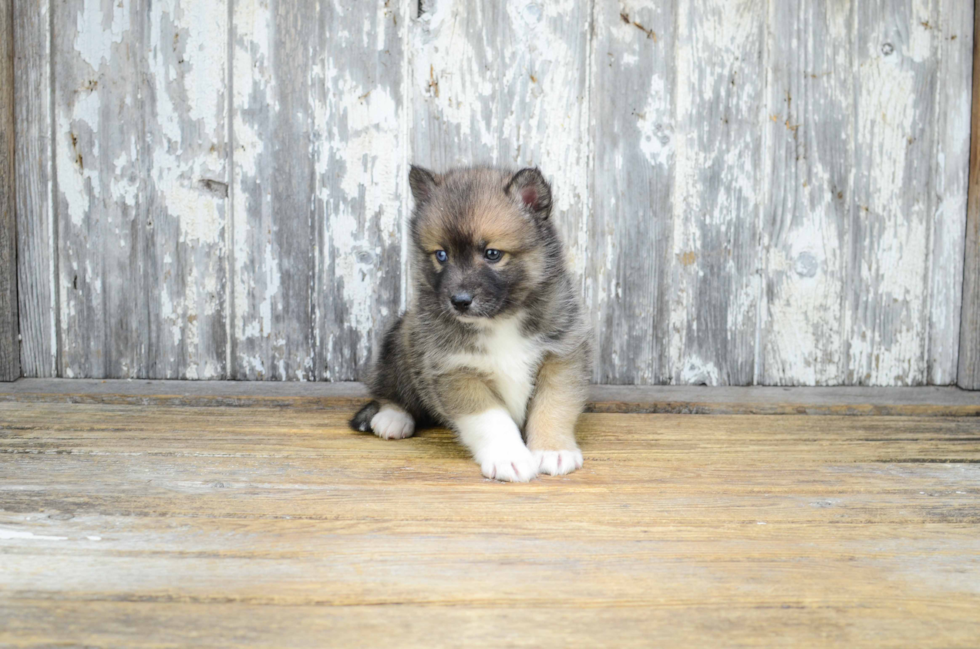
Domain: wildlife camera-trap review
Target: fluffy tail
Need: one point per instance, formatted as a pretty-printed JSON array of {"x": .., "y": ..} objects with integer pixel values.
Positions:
[{"x": 362, "y": 420}]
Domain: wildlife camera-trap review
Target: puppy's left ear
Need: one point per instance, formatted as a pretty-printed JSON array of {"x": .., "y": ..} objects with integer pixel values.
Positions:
[{"x": 532, "y": 191}]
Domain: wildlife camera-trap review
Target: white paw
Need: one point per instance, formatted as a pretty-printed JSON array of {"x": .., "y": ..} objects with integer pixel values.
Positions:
[
  {"x": 516, "y": 466},
  {"x": 558, "y": 462},
  {"x": 392, "y": 423}
]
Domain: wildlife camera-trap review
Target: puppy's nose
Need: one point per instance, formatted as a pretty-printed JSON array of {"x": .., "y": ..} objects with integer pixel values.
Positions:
[{"x": 461, "y": 301}]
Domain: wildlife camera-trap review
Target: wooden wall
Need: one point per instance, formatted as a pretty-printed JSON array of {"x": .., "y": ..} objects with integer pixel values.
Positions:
[
  {"x": 969, "y": 369},
  {"x": 9, "y": 348},
  {"x": 750, "y": 191}
]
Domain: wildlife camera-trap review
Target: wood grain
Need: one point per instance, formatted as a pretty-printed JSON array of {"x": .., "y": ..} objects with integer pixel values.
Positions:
[
  {"x": 182, "y": 184},
  {"x": 361, "y": 151},
  {"x": 850, "y": 401},
  {"x": 750, "y": 193},
  {"x": 148, "y": 526},
  {"x": 37, "y": 251},
  {"x": 950, "y": 183},
  {"x": 808, "y": 125},
  {"x": 633, "y": 104},
  {"x": 886, "y": 309},
  {"x": 9, "y": 341},
  {"x": 714, "y": 265},
  {"x": 274, "y": 188},
  {"x": 101, "y": 164},
  {"x": 969, "y": 360}
]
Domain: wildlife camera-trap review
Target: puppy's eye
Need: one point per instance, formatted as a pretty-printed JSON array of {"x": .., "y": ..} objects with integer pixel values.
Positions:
[
  {"x": 492, "y": 255},
  {"x": 441, "y": 256}
]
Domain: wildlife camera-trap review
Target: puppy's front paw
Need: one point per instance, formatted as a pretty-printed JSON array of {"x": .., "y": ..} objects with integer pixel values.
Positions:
[
  {"x": 392, "y": 423},
  {"x": 558, "y": 462},
  {"x": 516, "y": 466}
]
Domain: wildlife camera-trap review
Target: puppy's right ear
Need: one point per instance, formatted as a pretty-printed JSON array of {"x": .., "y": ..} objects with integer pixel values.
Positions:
[{"x": 423, "y": 183}]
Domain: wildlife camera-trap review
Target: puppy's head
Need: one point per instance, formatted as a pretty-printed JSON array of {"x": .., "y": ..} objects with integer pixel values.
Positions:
[{"x": 483, "y": 240}]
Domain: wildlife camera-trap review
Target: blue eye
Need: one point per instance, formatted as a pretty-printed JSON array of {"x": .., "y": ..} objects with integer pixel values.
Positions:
[
  {"x": 441, "y": 256},
  {"x": 492, "y": 255}
]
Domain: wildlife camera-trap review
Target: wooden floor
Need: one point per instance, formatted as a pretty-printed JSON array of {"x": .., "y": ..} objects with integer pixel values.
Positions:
[{"x": 167, "y": 525}]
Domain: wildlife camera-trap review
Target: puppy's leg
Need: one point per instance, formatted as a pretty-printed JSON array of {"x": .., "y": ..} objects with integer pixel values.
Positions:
[
  {"x": 385, "y": 418},
  {"x": 558, "y": 400},
  {"x": 392, "y": 422},
  {"x": 485, "y": 427}
]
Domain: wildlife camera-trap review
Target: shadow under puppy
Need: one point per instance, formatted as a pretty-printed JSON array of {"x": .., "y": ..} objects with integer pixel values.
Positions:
[{"x": 495, "y": 341}]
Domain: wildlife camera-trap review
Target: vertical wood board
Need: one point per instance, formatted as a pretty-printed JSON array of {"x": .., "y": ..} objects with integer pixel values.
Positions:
[
  {"x": 274, "y": 181},
  {"x": 968, "y": 376},
  {"x": 37, "y": 253},
  {"x": 808, "y": 126},
  {"x": 953, "y": 42},
  {"x": 360, "y": 152},
  {"x": 9, "y": 344},
  {"x": 886, "y": 307},
  {"x": 633, "y": 139},
  {"x": 184, "y": 200},
  {"x": 101, "y": 188},
  {"x": 717, "y": 192}
]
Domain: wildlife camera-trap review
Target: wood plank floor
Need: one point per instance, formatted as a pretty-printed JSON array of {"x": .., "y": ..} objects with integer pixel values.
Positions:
[{"x": 126, "y": 525}]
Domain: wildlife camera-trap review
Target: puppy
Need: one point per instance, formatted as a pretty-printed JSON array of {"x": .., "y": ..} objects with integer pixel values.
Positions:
[{"x": 495, "y": 342}]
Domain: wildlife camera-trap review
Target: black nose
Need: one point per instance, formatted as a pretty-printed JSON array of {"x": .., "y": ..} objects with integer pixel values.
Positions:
[{"x": 461, "y": 301}]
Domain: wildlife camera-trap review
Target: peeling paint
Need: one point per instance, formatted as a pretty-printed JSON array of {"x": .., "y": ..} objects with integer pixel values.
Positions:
[
  {"x": 733, "y": 213},
  {"x": 94, "y": 42}
]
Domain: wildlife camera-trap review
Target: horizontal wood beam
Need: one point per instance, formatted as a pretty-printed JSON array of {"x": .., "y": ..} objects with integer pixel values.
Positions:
[{"x": 921, "y": 401}]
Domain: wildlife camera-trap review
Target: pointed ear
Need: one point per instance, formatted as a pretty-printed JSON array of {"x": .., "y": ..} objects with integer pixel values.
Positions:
[
  {"x": 533, "y": 192},
  {"x": 423, "y": 183}
]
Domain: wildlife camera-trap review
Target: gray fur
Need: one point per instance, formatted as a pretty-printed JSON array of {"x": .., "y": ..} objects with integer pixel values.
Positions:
[{"x": 534, "y": 285}]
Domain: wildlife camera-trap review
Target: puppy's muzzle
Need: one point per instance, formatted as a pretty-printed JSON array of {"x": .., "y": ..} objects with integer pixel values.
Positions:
[{"x": 461, "y": 301}]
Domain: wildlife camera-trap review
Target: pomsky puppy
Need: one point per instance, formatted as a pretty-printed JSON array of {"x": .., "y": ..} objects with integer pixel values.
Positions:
[{"x": 495, "y": 341}]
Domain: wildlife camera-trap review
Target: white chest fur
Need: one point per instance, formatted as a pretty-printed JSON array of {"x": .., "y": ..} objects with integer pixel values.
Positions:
[{"x": 512, "y": 362}]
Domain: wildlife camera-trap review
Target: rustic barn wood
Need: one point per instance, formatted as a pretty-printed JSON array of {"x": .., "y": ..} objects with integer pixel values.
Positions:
[
  {"x": 361, "y": 151},
  {"x": 969, "y": 362},
  {"x": 273, "y": 238},
  {"x": 152, "y": 526},
  {"x": 751, "y": 193},
  {"x": 180, "y": 183},
  {"x": 631, "y": 223},
  {"x": 9, "y": 344},
  {"x": 101, "y": 161},
  {"x": 929, "y": 401},
  {"x": 37, "y": 254}
]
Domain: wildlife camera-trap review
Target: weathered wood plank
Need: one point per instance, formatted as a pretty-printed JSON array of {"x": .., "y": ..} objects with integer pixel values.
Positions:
[
  {"x": 717, "y": 191},
  {"x": 953, "y": 40},
  {"x": 98, "y": 59},
  {"x": 9, "y": 333},
  {"x": 909, "y": 402},
  {"x": 508, "y": 84},
  {"x": 633, "y": 131},
  {"x": 889, "y": 304},
  {"x": 360, "y": 149},
  {"x": 886, "y": 308},
  {"x": 45, "y": 622},
  {"x": 170, "y": 526},
  {"x": 274, "y": 185},
  {"x": 184, "y": 205},
  {"x": 808, "y": 128},
  {"x": 37, "y": 252},
  {"x": 827, "y": 251},
  {"x": 968, "y": 375}
]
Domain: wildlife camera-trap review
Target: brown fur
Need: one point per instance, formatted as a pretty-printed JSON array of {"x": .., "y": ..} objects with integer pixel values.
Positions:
[{"x": 436, "y": 362}]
